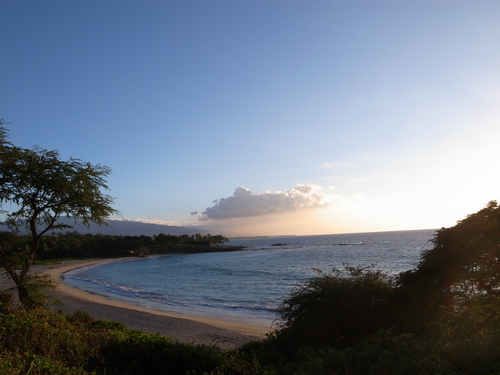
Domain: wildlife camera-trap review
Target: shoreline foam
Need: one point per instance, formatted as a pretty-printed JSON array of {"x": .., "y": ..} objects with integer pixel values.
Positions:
[{"x": 182, "y": 328}]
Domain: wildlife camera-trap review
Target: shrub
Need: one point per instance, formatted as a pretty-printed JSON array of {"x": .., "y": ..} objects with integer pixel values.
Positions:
[
  {"x": 335, "y": 309},
  {"x": 134, "y": 352},
  {"x": 43, "y": 340},
  {"x": 6, "y": 301}
]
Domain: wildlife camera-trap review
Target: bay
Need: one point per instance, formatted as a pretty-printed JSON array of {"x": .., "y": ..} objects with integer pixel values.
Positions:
[{"x": 248, "y": 285}]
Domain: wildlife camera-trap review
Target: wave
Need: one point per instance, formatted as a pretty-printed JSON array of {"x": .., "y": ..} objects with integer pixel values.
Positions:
[
  {"x": 134, "y": 291},
  {"x": 247, "y": 284},
  {"x": 157, "y": 298},
  {"x": 79, "y": 270}
]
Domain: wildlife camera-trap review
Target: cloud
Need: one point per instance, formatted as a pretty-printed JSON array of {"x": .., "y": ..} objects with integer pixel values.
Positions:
[
  {"x": 245, "y": 203},
  {"x": 336, "y": 165}
]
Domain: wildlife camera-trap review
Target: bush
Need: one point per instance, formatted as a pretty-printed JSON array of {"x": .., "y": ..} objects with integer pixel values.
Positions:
[
  {"x": 44, "y": 339},
  {"x": 335, "y": 309},
  {"x": 6, "y": 302},
  {"x": 135, "y": 353},
  {"x": 443, "y": 317}
]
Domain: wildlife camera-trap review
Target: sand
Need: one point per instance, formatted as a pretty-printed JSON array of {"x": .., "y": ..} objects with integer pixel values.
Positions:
[{"x": 179, "y": 327}]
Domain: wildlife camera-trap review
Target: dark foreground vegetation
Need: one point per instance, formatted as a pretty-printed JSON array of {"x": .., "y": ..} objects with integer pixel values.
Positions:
[{"x": 443, "y": 317}]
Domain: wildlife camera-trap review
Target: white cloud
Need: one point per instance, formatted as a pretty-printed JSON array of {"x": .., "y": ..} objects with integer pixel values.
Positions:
[
  {"x": 335, "y": 165},
  {"x": 245, "y": 203}
]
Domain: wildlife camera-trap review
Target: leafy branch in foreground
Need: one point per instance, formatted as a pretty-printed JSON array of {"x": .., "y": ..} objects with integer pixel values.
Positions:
[{"x": 38, "y": 188}]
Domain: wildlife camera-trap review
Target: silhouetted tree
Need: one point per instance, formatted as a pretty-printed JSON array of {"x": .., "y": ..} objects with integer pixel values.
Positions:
[
  {"x": 39, "y": 187},
  {"x": 463, "y": 265}
]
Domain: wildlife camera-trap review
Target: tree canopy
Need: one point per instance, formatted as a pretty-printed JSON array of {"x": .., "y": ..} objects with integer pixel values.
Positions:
[
  {"x": 455, "y": 283},
  {"x": 463, "y": 265},
  {"x": 38, "y": 187}
]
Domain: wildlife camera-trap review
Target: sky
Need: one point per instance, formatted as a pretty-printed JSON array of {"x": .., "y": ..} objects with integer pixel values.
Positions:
[{"x": 265, "y": 117}]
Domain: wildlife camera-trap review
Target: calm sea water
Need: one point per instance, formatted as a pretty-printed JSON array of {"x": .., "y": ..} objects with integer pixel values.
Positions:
[{"x": 245, "y": 286}]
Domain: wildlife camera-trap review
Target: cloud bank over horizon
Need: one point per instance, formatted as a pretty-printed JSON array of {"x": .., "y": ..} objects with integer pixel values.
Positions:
[{"x": 245, "y": 203}]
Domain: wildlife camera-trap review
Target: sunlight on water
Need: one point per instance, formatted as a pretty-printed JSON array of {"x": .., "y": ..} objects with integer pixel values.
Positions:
[{"x": 245, "y": 285}]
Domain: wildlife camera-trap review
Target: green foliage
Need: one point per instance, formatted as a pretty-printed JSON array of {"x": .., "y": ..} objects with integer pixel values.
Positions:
[
  {"x": 6, "y": 302},
  {"x": 218, "y": 240},
  {"x": 43, "y": 187},
  {"x": 441, "y": 318},
  {"x": 136, "y": 353},
  {"x": 37, "y": 287},
  {"x": 447, "y": 310},
  {"x": 464, "y": 264},
  {"x": 39, "y": 187},
  {"x": 35, "y": 364},
  {"x": 455, "y": 347},
  {"x": 335, "y": 309},
  {"x": 41, "y": 337},
  {"x": 73, "y": 245},
  {"x": 80, "y": 318},
  {"x": 142, "y": 251},
  {"x": 237, "y": 362},
  {"x": 43, "y": 341}
]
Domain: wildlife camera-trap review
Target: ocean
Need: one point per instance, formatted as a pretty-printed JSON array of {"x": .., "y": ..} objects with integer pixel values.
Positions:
[{"x": 245, "y": 286}]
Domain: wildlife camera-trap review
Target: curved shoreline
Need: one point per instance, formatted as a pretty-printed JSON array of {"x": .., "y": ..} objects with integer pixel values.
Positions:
[{"x": 182, "y": 328}]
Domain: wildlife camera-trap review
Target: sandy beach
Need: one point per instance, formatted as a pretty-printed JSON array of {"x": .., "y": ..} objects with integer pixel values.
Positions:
[{"x": 181, "y": 328}]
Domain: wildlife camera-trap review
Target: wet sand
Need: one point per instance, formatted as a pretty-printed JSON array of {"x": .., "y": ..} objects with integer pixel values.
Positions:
[{"x": 179, "y": 327}]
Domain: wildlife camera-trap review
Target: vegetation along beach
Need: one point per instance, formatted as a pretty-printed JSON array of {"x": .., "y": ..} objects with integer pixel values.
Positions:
[
  {"x": 249, "y": 187},
  {"x": 182, "y": 328},
  {"x": 436, "y": 312},
  {"x": 354, "y": 320}
]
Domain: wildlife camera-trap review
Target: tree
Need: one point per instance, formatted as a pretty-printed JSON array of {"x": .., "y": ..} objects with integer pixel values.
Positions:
[
  {"x": 462, "y": 267},
  {"x": 219, "y": 239},
  {"x": 38, "y": 188}
]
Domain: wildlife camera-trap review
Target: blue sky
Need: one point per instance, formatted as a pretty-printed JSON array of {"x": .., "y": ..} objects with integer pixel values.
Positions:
[{"x": 265, "y": 117}]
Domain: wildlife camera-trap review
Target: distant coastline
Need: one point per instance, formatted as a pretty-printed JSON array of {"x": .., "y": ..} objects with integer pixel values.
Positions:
[
  {"x": 255, "y": 237},
  {"x": 127, "y": 228}
]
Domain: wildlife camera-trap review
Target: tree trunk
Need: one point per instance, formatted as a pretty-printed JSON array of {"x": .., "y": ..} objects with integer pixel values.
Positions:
[
  {"x": 23, "y": 294},
  {"x": 19, "y": 278}
]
